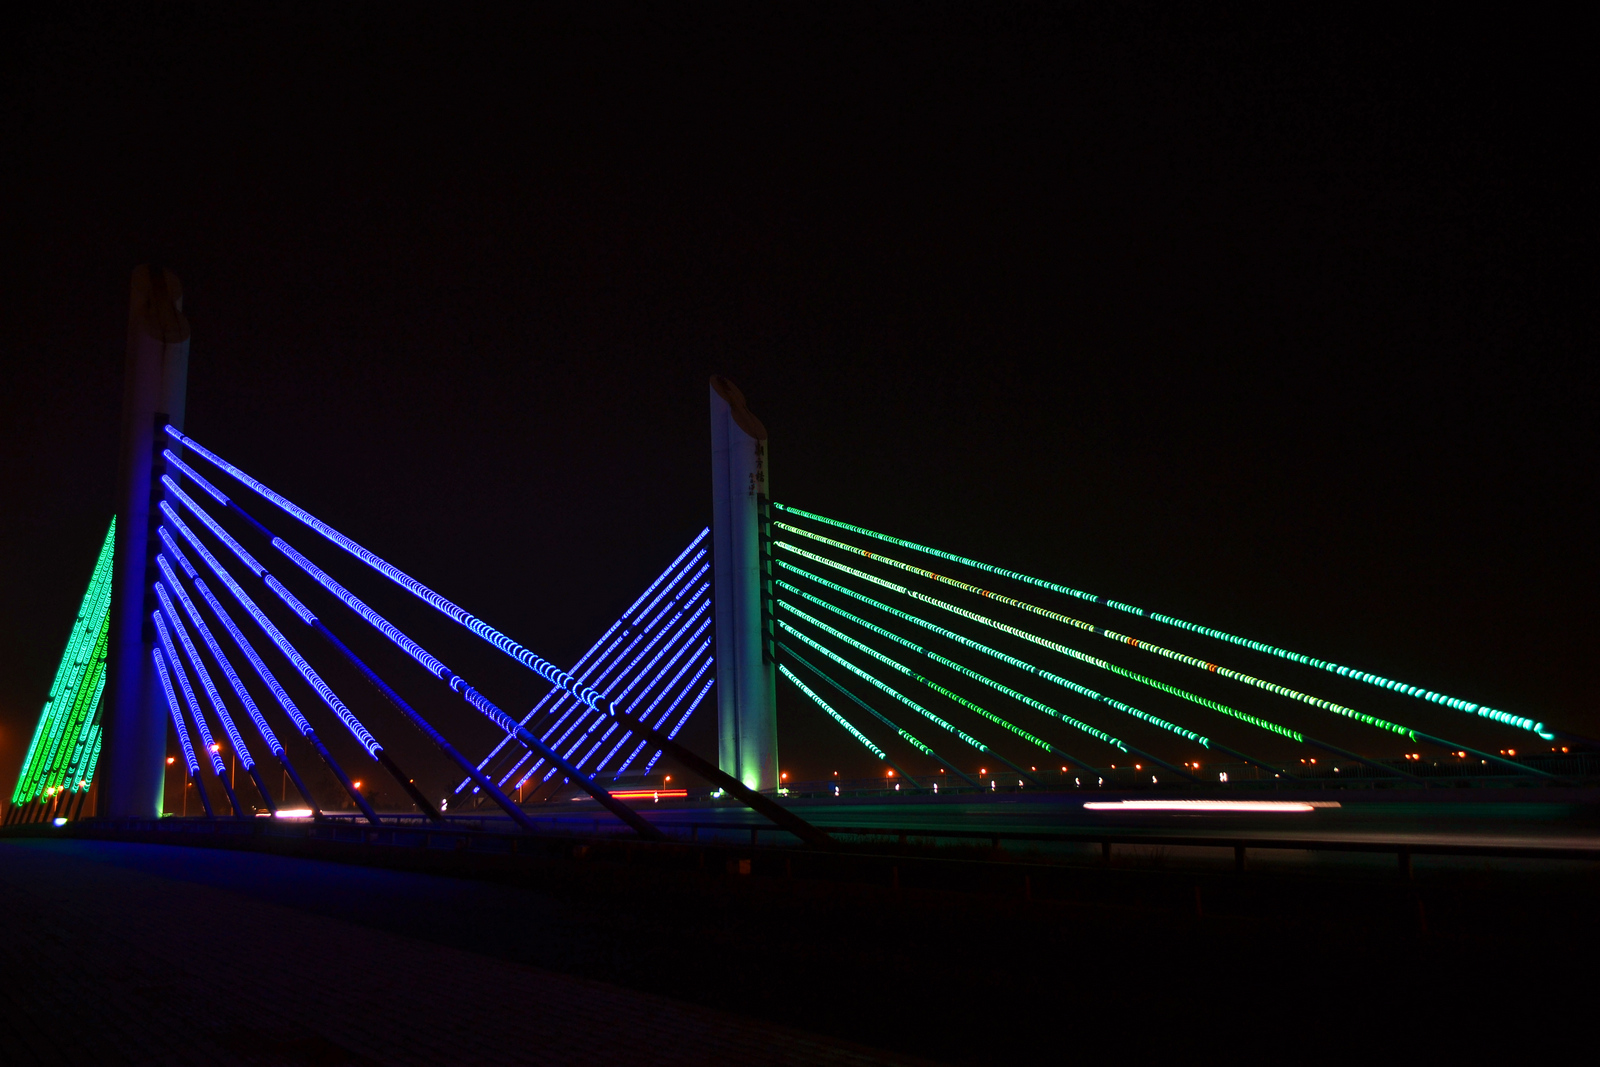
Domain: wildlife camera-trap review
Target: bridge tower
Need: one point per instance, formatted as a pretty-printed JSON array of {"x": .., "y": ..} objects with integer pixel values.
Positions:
[
  {"x": 155, "y": 380},
  {"x": 747, "y": 721}
]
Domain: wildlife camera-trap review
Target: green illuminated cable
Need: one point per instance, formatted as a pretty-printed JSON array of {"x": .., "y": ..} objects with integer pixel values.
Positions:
[
  {"x": 87, "y": 775},
  {"x": 79, "y": 714},
  {"x": 79, "y": 700},
  {"x": 1482, "y": 711},
  {"x": 79, "y": 680},
  {"x": 859, "y": 736},
  {"x": 1122, "y": 639},
  {"x": 70, "y": 676},
  {"x": 935, "y": 686},
  {"x": 1137, "y": 713},
  {"x": 71, "y": 776},
  {"x": 907, "y": 701},
  {"x": 76, "y": 690},
  {"x": 1007, "y": 690},
  {"x": 876, "y": 714},
  {"x": 1370, "y": 720},
  {"x": 840, "y": 719},
  {"x": 902, "y": 698}
]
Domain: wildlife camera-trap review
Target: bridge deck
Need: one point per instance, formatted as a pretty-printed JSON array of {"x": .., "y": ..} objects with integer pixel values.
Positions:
[{"x": 120, "y": 953}]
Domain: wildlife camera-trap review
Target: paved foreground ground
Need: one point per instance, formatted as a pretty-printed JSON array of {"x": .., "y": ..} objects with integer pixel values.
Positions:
[{"x": 115, "y": 953}]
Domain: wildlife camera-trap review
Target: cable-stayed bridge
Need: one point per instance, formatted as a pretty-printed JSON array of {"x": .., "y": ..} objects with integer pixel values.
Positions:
[{"x": 958, "y": 678}]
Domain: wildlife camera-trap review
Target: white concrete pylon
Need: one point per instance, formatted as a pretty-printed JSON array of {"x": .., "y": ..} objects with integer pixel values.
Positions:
[
  {"x": 155, "y": 382},
  {"x": 747, "y": 722}
]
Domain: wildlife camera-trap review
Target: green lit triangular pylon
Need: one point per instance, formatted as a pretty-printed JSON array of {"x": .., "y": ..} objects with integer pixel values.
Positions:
[{"x": 66, "y": 743}]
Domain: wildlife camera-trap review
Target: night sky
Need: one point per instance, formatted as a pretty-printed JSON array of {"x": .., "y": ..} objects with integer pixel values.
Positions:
[{"x": 1264, "y": 322}]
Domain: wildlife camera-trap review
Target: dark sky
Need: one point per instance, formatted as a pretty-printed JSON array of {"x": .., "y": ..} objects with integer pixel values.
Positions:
[{"x": 1265, "y": 321}]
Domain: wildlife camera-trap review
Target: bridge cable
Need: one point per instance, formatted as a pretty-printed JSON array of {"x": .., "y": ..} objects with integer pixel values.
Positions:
[
  {"x": 1456, "y": 703},
  {"x": 530, "y": 753},
  {"x": 958, "y": 668},
  {"x": 689, "y": 708},
  {"x": 192, "y": 654},
  {"x": 1325, "y": 705},
  {"x": 237, "y": 683},
  {"x": 357, "y": 729},
  {"x": 191, "y": 764},
  {"x": 271, "y": 682},
  {"x": 1092, "y": 661},
  {"x": 773, "y": 811},
  {"x": 671, "y": 708},
  {"x": 681, "y": 631},
  {"x": 894, "y": 768},
  {"x": 79, "y": 680},
  {"x": 1031, "y": 669},
  {"x": 900, "y": 731},
  {"x": 561, "y": 695},
  {"x": 217, "y": 766},
  {"x": 688, "y": 659},
  {"x": 667, "y": 630},
  {"x": 429, "y": 662},
  {"x": 659, "y": 674},
  {"x": 907, "y": 701}
]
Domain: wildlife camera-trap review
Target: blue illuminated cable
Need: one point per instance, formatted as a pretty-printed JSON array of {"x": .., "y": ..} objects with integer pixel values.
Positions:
[
  {"x": 654, "y": 679},
  {"x": 688, "y": 659},
  {"x": 193, "y": 705},
  {"x": 683, "y": 649},
  {"x": 202, "y": 673},
  {"x": 190, "y": 763},
  {"x": 273, "y": 685},
  {"x": 217, "y": 655},
  {"x": 412, "y": 649},
  {"x": 626, "y": 671},
  {"x": 704, "y": 666},
  {"x": 189, "y": 760},
  {"x": 600, "y": 719},
  {"x": 538, "y": 664},
  {"x": 673, "y": 628},
  {"x": 192, "y": 656},
  {"x": 694, "y": 705},
  {"x": 550, "y": 672},
  {"x": 595, "y": 674},
  {"x": 1483, "y": 711},
  {"x": 217, "y": 766},
  {"x": 618, "y": 680},
  {"x": 665, "y": 691},
  {"x": 362, "y": 735},
  {"x": 456, "y": 683},
  {"x": 262, "y": 726}
]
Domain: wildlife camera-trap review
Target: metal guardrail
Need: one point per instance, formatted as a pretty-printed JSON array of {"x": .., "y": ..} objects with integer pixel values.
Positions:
[{"x": 483, "y": 840}]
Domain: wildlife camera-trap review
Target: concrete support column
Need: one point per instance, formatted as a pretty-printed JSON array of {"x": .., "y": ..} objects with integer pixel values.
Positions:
[
  {"x": 155, "y": 380},
  {"x": 747, "y": 722}
]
